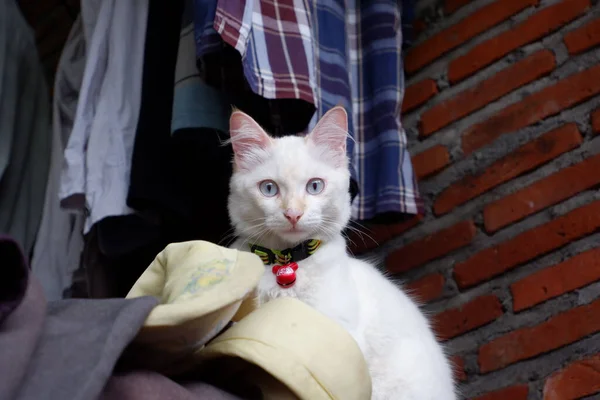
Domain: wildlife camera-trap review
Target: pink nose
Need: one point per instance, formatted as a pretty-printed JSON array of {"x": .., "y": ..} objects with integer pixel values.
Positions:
[{"x": 293, "y": 215}]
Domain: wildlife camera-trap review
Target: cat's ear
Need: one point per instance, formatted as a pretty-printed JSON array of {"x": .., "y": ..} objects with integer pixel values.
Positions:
[
  {"x": 248, "y": 139},
  {"x": 331, "y": 134}
]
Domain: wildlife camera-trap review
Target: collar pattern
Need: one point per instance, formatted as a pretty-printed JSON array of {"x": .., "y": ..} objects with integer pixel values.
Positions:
[{"x": 286, "y": 256}]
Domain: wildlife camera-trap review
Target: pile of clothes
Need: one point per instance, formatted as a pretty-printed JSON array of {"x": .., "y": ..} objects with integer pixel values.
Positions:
[{"x": 188, "y": 329}]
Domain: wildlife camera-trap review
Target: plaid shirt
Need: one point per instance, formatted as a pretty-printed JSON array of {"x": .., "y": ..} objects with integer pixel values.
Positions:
[
  {"x": 275, "y": 39},
  {"x": 335, "y": 52}
]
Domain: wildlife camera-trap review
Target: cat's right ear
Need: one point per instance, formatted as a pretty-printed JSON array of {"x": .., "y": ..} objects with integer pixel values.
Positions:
[{"x": 248, "y": 139}]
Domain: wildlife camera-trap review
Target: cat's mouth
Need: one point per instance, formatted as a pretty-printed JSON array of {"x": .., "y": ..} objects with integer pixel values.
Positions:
[
  {"x": 294, "y": 230},
  {"x": 293, "y": 234}
]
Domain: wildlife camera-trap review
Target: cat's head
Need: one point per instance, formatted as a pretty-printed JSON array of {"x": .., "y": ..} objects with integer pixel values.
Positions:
[{"x": 291, "y": 188}]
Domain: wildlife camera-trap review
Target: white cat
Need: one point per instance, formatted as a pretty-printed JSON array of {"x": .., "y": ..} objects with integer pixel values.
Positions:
[{"x": 288, "y": 190}]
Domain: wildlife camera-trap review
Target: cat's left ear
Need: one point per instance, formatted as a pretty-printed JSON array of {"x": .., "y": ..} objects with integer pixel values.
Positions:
[{"x": 331, "y": 133}]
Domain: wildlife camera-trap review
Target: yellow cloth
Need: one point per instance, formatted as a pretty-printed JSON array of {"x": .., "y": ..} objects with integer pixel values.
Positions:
[
  {"x": 313, "y": 356},
  {"x": 290, "y": 350},
  {"x": 200, "y": 287}
]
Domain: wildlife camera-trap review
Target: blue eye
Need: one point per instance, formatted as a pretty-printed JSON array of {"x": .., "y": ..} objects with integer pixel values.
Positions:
[
  {"x": 315, "y": 186},
  {"x": 268, "y": 188}
]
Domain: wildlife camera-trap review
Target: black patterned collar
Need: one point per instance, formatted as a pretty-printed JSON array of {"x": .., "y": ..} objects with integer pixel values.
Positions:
[{"x": 286, "y": 256}]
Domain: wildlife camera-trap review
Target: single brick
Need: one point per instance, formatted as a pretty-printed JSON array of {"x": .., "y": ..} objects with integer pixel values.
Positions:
[
  {"x": 578, "y": 379},
  {"x": 519, "y": 392},
  {"x": 478, "y": 312},
  {"x": 548, "y": 191},
  {"x": 533, "y": 243},
  {"x": 429, "y": 248},
  {"x": 417, "y": 94},
  {"x": 596, "y": 121},
  {"x": 373, "y": 235},
  {"x": 428, "y": 288},
  {"x": 527, "y": 157},
  {"x": 430, "y": 161},
  {"x": 458, "y": 366},
  {"x": 525, "y": 71},
  {"x": 576, "y": 272},
  {"x": 533, "y": 28},
  {"x": 450, "y": 6},
  {"x": 560, "y": 330},
  {"x": 401, "y": 227},
  {"x": 549, "y": 101},
  {"x": 471, "y": 26},
  {"x": 584, "y": 38}
]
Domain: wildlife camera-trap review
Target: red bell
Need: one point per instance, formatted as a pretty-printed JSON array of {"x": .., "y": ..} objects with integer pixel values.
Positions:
[{"x": 285, "y": 275}]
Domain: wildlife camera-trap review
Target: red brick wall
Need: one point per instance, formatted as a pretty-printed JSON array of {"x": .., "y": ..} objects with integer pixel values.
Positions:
[{"x": 502, "y": 108}]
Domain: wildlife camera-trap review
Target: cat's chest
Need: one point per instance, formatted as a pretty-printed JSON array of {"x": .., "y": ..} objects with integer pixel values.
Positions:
[
  {"x": 306, "y": 286},
  {"x": 328, "y": 288}
]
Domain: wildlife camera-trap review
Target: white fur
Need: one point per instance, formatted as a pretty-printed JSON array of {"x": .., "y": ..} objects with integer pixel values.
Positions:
[{"x": 405, "y": 360}]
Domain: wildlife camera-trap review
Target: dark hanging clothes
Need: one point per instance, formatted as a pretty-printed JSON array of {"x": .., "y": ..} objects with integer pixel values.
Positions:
[
  {"x": 151, "y": 167},
  {"x": 223, "y": 69},
  {"x": 118, "y": 249},
  {"x": 408, "y": 19}
]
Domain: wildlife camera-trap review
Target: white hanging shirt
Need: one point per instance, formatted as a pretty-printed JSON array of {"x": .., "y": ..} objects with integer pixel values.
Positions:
[
  {"x": 97, "y": 159},
  {"x": 59, "y": 242}
]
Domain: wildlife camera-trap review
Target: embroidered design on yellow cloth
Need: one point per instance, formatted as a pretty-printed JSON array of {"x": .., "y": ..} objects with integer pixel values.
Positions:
[{"x": 206, "y": 275}]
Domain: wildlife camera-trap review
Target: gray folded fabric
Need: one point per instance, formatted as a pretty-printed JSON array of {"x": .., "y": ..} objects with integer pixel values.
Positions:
[
  {"x": 148, "y": 385},
  {"x": 65, "y": 349},
  {"x": 68, "y": 349}
]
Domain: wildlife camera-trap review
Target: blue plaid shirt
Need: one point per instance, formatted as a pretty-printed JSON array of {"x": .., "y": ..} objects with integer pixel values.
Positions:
[{"x": 357, "y": 63}]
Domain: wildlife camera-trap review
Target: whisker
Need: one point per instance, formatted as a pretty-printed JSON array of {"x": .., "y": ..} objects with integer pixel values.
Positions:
[
  {"x": 256, "y": 236},
  {"x": 362, "y": 235},
  {"x": 358, "y": 223},
  {"x": 250, "y": 229},
  {"x": 348, "y": 239},
  {"x": 231, "y": 232}
]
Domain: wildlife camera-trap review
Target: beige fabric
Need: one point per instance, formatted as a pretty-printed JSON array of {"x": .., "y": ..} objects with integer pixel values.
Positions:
[
  {"x": 308, "y": 352},
  {"x": 200, "y": 287},
  {"x": 290, "y": 350}
]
